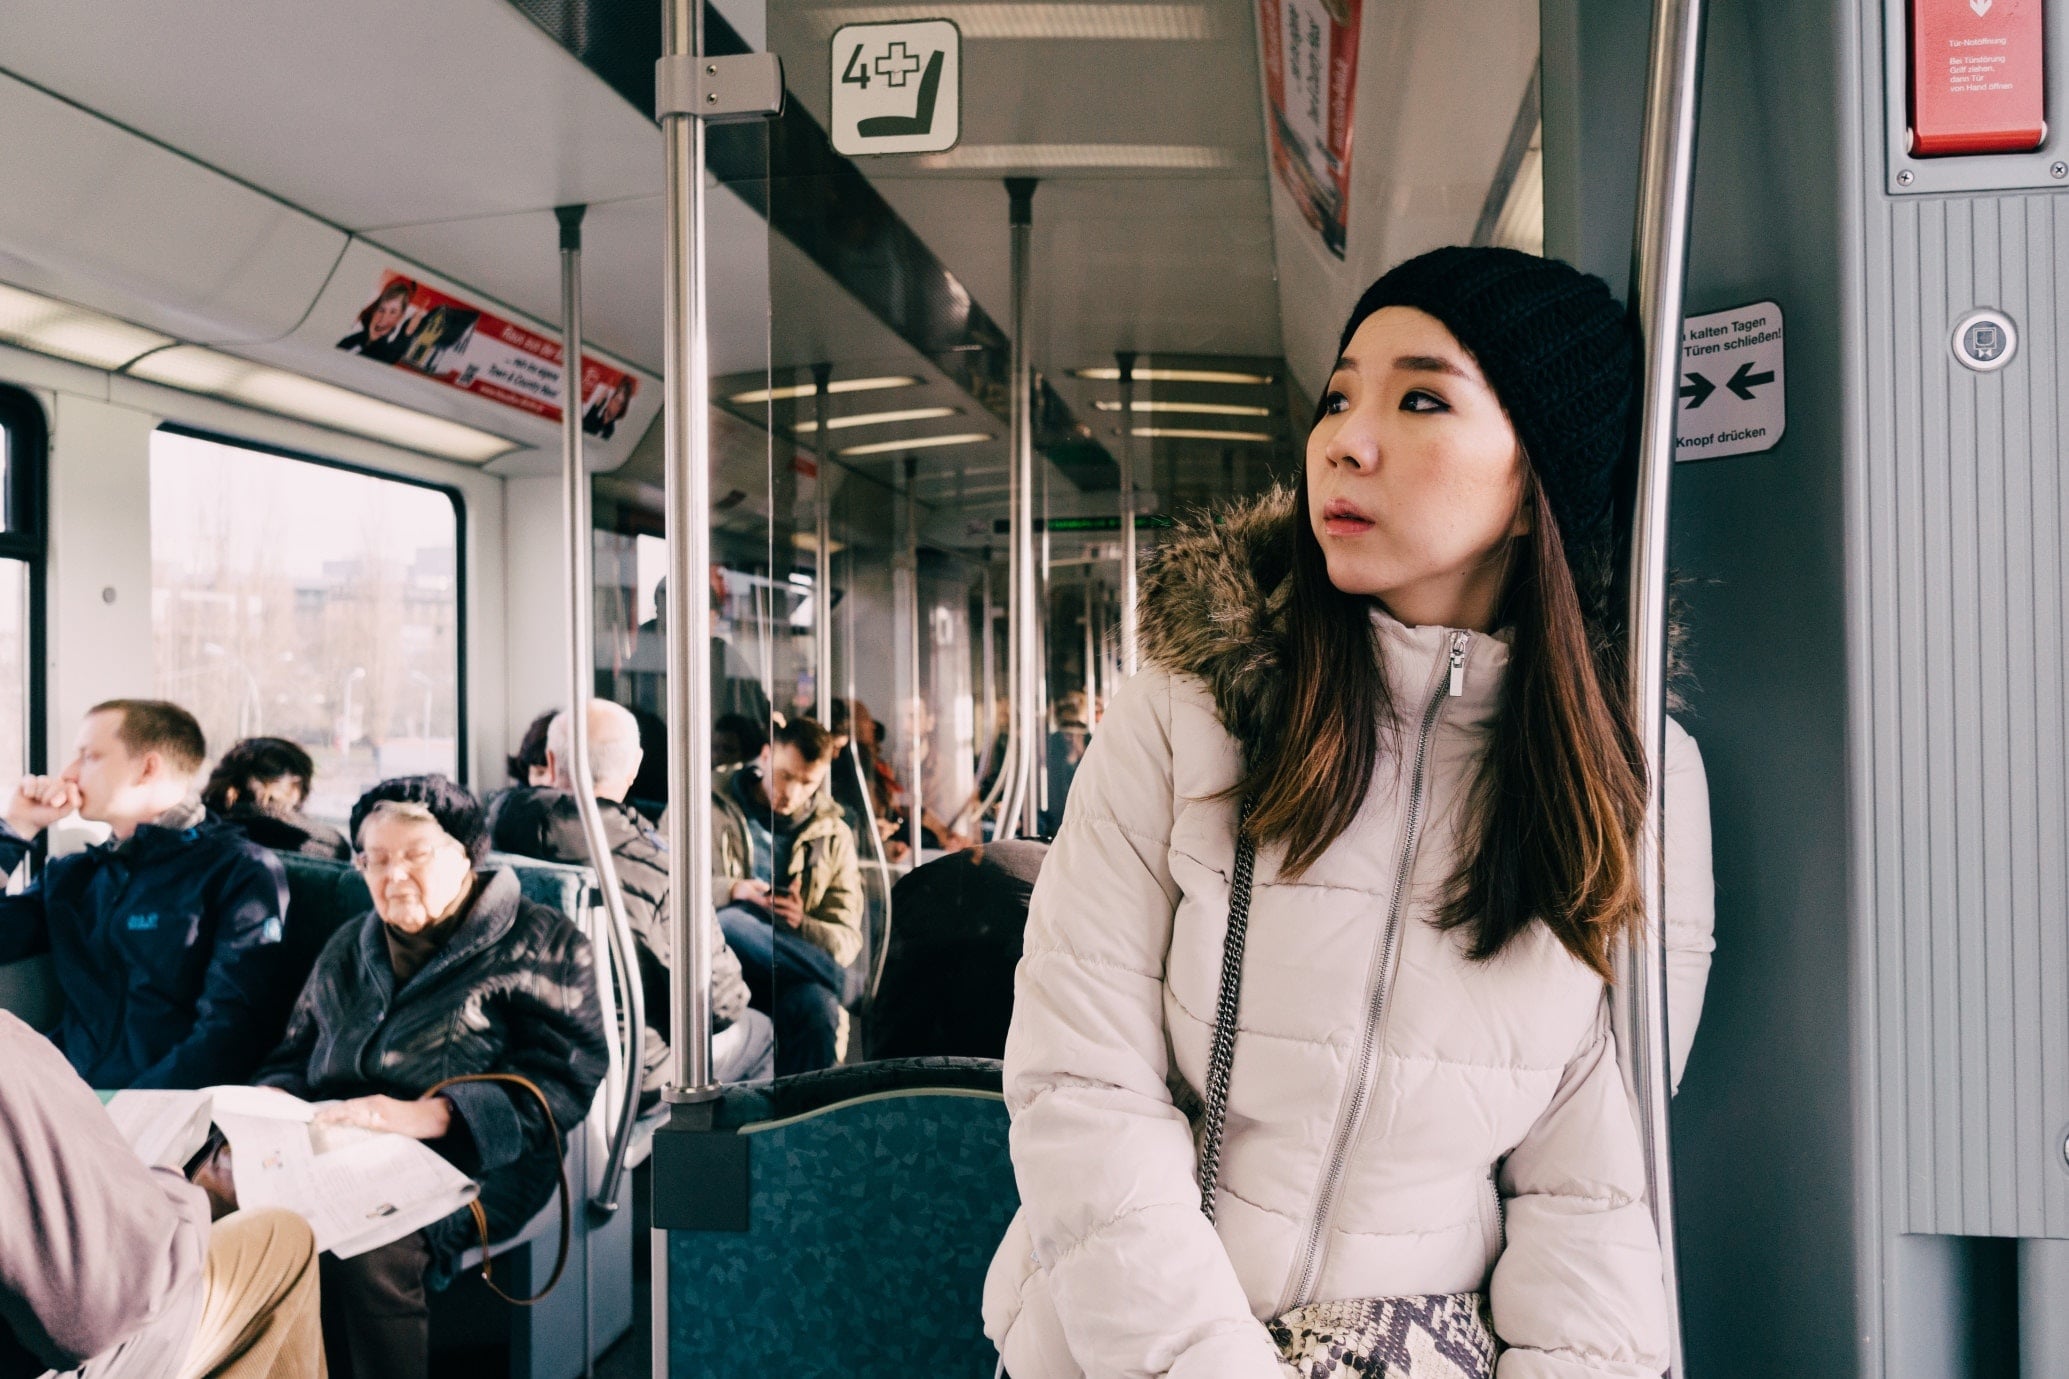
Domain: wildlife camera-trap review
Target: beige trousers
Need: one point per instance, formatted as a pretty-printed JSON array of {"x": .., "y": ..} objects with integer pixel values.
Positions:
[{"x": 260, "y": 1317}]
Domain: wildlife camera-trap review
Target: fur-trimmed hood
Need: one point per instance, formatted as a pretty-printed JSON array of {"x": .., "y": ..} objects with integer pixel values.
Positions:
[{"x": 1213, "y": 605}]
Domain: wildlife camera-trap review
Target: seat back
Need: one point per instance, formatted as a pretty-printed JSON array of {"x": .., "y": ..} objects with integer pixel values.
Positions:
[
  {"x": 323, "y": 896},
  {"x": 852, "y": 1260}
]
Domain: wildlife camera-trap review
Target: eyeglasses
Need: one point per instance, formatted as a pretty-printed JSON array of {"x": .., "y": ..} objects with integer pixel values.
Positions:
[{"x": 415, "y": 859}]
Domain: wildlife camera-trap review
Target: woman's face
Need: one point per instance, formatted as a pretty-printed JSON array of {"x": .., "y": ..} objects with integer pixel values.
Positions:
[
  {"x": 418, "y": 873},
  {"x": 387, "y": 316},
  {"x": 1415, "y": 477}
]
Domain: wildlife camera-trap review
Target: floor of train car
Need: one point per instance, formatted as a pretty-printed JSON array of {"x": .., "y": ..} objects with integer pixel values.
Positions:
[{"x": 467, "y": 1356}]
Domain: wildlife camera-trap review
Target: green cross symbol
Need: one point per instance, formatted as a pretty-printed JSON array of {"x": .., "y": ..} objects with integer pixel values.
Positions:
[{"x": 897, "y": 64}]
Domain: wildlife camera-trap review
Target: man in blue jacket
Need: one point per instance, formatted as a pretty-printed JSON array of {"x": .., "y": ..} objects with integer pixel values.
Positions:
[{"x": 166, "y": 939}]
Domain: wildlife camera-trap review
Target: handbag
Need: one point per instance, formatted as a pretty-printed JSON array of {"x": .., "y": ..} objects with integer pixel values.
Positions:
[
  {"x": 1420, "y": 1336},
  {"x": 481, "y": 1220}
]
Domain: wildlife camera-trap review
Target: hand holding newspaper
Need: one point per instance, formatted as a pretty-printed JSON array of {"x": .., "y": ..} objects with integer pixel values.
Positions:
[{"x": 357, "y": 1189}]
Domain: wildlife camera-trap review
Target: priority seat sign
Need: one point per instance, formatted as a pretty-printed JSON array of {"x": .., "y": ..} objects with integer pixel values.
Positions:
[
  {"x": 1732, "y": 398},
  {"x": 897, "y": 88}
]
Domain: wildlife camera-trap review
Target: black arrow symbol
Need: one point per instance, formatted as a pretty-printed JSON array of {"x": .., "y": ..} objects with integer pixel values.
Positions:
[
  {"x": 1743, "y": 383},
  {"x": 1697, "y": 391}
]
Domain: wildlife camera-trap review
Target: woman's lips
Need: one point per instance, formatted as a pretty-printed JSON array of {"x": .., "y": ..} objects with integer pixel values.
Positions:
[{"x": 1340, "y": 518}]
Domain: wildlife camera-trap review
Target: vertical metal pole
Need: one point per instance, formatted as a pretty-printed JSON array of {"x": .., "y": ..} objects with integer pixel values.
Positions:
[
  {"x": 914, "y": 709},
  {"x": 687, "y": 486},
  {"x": 1091, "y": 652},
  {"x": 822, "y": 541},
  {"x": 1019, "y": 818},
  {"x": 1126, "y": 360},
  {"x": 1038, "y": 741},
  {"x": 988, "y": 660},
  {"x": 577, "y": 566},
  {"x": 1659, "y": 269}
]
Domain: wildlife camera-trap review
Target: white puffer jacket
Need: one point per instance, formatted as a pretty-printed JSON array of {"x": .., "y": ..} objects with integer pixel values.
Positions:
[{"x": 1400, "y": 1119}]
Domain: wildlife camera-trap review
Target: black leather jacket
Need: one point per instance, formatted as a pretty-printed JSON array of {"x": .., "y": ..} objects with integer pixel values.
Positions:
[{"x": 512, "y": 991}]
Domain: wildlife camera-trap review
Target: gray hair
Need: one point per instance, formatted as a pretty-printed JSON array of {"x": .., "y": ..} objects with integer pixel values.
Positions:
[{"x": 614, "y": 750}]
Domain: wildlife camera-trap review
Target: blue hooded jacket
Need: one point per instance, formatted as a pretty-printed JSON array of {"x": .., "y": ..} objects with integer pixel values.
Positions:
[{"x": 167, "y": 949}]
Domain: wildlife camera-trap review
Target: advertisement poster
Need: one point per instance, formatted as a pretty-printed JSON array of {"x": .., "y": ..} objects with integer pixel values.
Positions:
[
  {"x": 1311, "y": 74},
  {"x": 410, "y": 325}
]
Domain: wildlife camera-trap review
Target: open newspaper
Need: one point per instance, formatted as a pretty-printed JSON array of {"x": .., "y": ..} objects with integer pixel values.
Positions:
[{"x": 357, "y": 1189}]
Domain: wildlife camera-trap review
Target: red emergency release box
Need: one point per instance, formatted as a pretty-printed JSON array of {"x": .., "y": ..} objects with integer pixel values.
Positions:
[{"x": 1978, "y": 76}]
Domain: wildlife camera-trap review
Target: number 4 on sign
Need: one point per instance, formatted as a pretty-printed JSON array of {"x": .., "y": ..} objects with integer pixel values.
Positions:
[{"x": 856, "y": 73}]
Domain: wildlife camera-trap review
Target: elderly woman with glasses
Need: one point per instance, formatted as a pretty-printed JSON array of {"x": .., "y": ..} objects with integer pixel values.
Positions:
[{"x": 453, "y": 973}]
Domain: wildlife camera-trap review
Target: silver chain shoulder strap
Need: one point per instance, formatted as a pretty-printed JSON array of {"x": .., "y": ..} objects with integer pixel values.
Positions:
[{"x": 1221, "y": 1056}]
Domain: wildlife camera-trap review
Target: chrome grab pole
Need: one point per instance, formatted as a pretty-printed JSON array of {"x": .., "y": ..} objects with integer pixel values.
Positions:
[
  {"x": 687, "y": 486},
  {"x": 913, "y": 710},
  {"x": 1659, "y": 271},
  {"x": 577, "y": 566},
  {"x": 1126, "y": 360},
  {"x": 1017, "y": 818},
  {"x": 822, "y": 564}
]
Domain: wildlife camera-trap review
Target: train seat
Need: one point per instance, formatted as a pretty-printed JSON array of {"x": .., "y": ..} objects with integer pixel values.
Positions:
[
  {"x": 593, "y": 1304},
  {"x": 802, "y": 1213}
]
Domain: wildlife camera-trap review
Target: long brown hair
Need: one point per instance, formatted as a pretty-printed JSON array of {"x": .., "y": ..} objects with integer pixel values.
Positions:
[{"x": 1550, "y": 826}]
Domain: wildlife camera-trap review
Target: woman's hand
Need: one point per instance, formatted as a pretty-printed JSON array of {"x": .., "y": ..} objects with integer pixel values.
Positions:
[{"x": 428, "y": 1119}]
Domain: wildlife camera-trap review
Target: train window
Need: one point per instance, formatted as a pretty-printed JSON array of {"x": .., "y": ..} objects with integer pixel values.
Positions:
[
  {"x": 22, "y": 444},
  {"x": 294, "y": 598}
]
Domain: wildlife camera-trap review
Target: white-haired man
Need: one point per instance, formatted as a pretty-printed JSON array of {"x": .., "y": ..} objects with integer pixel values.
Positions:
[{"x": 545, "y": 822}]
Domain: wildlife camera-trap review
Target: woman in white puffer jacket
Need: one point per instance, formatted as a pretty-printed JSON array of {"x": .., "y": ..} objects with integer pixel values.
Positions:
[{"x": 1425, "y": 1097}]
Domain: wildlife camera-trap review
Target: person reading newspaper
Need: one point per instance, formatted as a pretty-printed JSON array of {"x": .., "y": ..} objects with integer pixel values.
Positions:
[
  {"x": 453, "y": 972},
  {"x": 109, "y": 1266}
]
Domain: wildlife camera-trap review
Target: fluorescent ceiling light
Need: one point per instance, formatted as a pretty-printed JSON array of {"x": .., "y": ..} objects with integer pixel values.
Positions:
[
  {"x": 70, "y": 332},
  {"x": 1111, "y": 374},
  {"x": 839, "y": 385},
  {"x": 878, "y": 418},
  {"x": 1211, "y": 409},
  {"x": 1009, "y": 20},
  {"x": 198, "y": 370},
  {"x": 1180, "y": 433},
  {"x": 916, "y": 443},
  {"x": 993, "y": 157}
]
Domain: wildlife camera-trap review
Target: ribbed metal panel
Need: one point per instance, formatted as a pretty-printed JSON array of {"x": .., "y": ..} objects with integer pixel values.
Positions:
[{"x": 1966, "y": 600}]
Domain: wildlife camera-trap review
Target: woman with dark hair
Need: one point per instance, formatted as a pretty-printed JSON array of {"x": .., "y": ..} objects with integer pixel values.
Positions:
[
  {"x": 452, "y": 973},
  {"x": 1311, "y": 1057},
  {"x": 527, "y": 766},
  {"x": 383, "y": 335},
  {"x": 261, "y": 785}
]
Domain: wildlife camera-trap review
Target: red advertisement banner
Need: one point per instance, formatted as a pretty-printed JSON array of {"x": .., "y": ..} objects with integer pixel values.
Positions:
[
  {"x": 412, "y": 325},
  {"x": 1311, "y": 76}
]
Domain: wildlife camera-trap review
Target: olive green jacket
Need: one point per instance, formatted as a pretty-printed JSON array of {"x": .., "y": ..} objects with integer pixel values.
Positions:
[{"x": 822, "y": 863}]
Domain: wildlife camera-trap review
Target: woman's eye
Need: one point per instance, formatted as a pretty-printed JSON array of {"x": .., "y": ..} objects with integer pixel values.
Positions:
[
  {"x": 1333, "y": 403},
  {"x": 1419, "y": 401}
]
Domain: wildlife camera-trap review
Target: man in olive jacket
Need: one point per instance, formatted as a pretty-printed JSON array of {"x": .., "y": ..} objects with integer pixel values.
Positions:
[{"x": 790, "y": 890}]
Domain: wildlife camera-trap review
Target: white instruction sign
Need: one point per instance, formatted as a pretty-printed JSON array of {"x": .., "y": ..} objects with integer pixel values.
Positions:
[
  {"x": 1732, "y": 395},
  {"x": 897, "y": 88}
]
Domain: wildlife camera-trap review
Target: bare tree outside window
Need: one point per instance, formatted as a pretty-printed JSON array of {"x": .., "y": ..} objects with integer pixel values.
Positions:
[{"x": 292, "y": 599}]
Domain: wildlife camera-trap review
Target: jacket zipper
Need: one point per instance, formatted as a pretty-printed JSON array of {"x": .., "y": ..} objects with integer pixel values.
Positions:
[{"x": 1308, "y": 1262}]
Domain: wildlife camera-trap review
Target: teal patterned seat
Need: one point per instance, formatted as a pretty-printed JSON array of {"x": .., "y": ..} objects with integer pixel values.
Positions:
[{"x": 872, "y": 1198}]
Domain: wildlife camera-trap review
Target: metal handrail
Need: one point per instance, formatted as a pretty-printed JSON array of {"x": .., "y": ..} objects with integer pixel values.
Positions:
[
  {"x": 577, "y": 553},
  {"x": 1016, "y": 817},
  {"x": 1658, "y": 273},
  {"x": 1125, "y": 361},
  {"x": 686, "y": 470}
]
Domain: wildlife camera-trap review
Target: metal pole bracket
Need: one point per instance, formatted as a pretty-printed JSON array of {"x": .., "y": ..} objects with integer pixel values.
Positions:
[{"x": 746, "y": 86}]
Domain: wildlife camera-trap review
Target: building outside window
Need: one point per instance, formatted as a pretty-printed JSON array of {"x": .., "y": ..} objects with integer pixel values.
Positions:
[{"x": 299, "y": 599}]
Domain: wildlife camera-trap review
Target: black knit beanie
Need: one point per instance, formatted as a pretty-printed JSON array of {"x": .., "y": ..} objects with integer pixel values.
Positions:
[{"x": 1561, "y": 355}]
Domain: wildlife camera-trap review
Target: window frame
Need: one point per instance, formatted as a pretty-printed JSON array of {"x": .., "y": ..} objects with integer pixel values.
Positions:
[
  {"x": 26, "y": 540},
  {"x": 463, "y": 762}
]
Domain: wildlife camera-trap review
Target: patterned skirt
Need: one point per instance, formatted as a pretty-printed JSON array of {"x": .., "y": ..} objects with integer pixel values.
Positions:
[{"x": 1434, "y": 1336}]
